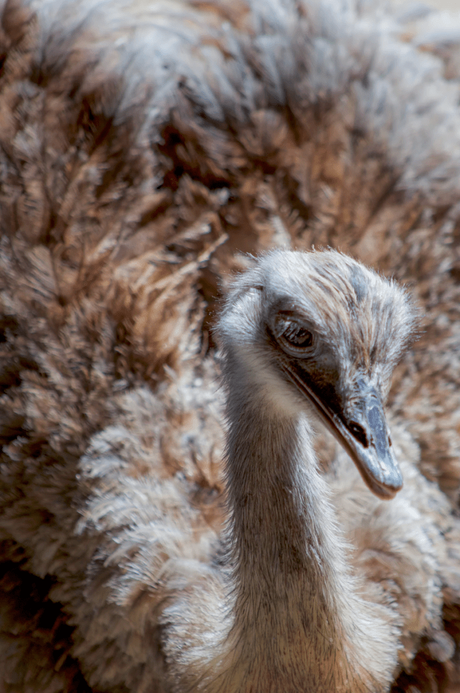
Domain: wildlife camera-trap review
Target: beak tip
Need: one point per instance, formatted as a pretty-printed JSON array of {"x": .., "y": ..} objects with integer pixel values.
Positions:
[
  {"x": 386, "y": 493},
  {"x": 386, "y": 488}
]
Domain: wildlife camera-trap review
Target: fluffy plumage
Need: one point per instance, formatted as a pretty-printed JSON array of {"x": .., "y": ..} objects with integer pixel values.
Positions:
[
  {"x": 296, "y": 617},
  {"x": 142, "y": 147}
]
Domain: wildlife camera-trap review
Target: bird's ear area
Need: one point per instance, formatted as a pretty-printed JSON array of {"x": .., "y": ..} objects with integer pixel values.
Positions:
[
  {"x": 247, "y": 280},
  {"x": 239, "y": 285},
  {"x": 239, "y": 316}
]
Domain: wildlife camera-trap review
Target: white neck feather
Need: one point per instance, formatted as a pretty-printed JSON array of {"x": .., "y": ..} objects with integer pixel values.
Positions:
[
  {"x": 291, "y": 619},
  {"x": 298, "y": 623}
]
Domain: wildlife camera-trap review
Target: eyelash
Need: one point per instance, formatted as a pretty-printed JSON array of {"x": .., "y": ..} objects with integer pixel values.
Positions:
[{"x": 297, "y": 336}]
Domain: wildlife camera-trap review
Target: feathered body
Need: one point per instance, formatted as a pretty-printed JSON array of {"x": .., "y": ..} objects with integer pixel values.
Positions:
[{"x": 143, "y": 147}]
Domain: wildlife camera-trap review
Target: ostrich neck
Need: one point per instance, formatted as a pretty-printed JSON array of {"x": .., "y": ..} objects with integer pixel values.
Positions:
[
  {"x": 284, "y": 541},
  {"x": 295, "y": 609}
]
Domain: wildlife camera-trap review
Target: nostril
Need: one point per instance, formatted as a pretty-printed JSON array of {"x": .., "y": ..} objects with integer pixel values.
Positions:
[{"x": 358, "y": 432}]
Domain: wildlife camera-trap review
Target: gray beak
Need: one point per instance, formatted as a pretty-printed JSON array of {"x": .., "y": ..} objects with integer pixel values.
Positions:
[
  {"x": 364, "y": 435},
  {"x": 362, "y": 430}
]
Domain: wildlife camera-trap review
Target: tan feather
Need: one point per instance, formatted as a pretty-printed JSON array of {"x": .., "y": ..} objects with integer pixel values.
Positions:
[{"x": 145, "y": 147}]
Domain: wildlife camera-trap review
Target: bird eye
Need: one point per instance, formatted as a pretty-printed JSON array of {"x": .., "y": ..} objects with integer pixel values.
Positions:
[{"x": 298, "y": 336}]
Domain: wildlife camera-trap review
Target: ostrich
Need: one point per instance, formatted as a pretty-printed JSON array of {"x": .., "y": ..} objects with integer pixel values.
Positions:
[
  {"x": 142, "y": 147},
  {"x": 302, "y": 334}
]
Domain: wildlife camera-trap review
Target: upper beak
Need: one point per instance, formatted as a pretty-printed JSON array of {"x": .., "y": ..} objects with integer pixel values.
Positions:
[{"x": 362, "y": 431}]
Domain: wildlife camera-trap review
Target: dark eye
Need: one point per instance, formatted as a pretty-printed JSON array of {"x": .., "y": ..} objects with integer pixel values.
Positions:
[{"x": 298, "y": 336}]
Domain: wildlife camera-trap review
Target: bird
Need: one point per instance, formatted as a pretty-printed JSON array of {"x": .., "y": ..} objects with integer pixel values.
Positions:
[
  {"x": 148, "y": 151},
  {"x": 301, "y": 333}
]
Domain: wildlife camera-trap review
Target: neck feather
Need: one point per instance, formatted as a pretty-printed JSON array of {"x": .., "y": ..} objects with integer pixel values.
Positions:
[{"x": 298, "y": 620}]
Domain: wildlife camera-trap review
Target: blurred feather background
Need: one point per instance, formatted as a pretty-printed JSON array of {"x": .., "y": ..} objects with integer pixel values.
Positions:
[{"x": 145, "y": 147}]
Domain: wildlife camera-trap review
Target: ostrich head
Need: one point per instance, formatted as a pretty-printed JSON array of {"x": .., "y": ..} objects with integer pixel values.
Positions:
[{"x": 321, "y": 332}]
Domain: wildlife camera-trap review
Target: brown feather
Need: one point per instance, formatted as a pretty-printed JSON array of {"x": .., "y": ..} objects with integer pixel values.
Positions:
[{"x": 144, "y": 147}]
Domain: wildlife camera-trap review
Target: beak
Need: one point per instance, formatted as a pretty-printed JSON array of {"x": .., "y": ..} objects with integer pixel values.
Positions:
[{"x": 362, "y": 431}]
